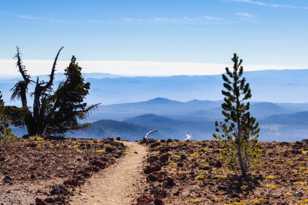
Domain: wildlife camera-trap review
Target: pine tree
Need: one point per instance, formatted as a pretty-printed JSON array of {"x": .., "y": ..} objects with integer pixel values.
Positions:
[
  {"x": 68, "y": 100},
  {"x": 239, "y": 131}
]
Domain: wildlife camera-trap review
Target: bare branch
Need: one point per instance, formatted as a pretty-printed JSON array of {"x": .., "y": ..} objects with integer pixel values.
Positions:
[
  {"x": 53, "y": 70},
  {"x": 22, "y": 69}
]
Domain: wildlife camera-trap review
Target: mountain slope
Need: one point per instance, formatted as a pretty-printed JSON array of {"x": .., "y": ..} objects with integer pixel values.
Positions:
[
  {"x": 172, "y": 128},
  {"x": 111, "y": 128},
  {"x": 294, "y": 119},
  {"x": 158, "y": 106},
  {"x": 190, "y": 110}
]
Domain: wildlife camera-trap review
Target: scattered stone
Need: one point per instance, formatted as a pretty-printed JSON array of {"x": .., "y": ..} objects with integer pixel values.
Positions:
[
  {"x": 158, "y": 202},
  {"x": 299, "y": 194},
  {"x": 164, "y": 158},
  {"x": 7, "y": 180},
  {"x": 152, "y": 168},
  {"x": 39, "y": 201},
  {"x": 59, "y": 190},
  {"x": 151, "y": 178},
  {"x": 169, "y": 183}
]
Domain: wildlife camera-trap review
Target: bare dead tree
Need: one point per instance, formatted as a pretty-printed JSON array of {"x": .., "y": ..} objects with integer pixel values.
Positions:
[{"x": 33, "y": 119}]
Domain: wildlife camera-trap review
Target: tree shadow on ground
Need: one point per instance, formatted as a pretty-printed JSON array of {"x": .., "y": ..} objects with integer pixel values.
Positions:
[{"x": 235, "y": 185}]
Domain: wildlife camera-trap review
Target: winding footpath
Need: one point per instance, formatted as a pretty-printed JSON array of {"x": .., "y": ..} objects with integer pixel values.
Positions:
[{"x": 117, "y": 184}]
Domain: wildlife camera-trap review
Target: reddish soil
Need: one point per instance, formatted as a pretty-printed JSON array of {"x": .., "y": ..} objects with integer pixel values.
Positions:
[
  {"x": 189, "y": 173},
  {"x": 47, "y": 171},
  {"x": 119, "y": 184}
]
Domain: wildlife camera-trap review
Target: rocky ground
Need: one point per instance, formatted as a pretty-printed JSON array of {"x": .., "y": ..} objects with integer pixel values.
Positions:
[
  {"x": 188, "y": 173},
  {"x": 119, "y": 184},
  {"x": 38, "y": 171}
]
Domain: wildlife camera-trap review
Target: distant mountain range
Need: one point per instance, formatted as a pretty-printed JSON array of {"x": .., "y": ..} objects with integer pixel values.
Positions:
[
  {"x": 126, "y": 111},
  {"x": 269, "y": 86},
  {"x": 175, "y": 119},
  {"x": 193, "y": 110}
]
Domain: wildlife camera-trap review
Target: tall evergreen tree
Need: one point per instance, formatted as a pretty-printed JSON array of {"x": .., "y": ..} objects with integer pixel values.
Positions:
[
  {"x": 68, "y": 100},
  {"x": 239, "y": 131}
]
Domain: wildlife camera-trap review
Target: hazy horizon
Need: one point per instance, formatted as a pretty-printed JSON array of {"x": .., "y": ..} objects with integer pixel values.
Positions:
[
  {"x": 288, "y": 86},
  {"x": 153, "y": 69}
]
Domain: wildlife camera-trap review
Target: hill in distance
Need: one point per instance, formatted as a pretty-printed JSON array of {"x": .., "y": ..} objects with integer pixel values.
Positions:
[
  {"x": 174, "y": 119},
  {"x": 268, "y": 86},
  {"x": 111, "y": 128},
  {"x": 125, "y": 100}
]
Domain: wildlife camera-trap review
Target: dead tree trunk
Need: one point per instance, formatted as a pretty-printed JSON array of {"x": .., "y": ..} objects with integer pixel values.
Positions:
[{"x": 34, "y": 120}]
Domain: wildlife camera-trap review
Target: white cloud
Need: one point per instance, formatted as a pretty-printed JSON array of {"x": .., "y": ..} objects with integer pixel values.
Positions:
[
  {"x": 193, "y": 20},
  {"x": 244, "y": 14},
  {"x": 272, "y": 5},
  {"x": 28, "y": 17},
  {"x": 174, "y": 20},
  {"x": 44, "y": 19},
  {"x": 131, "y": 68},
  {"x": 259, "y": 3}
]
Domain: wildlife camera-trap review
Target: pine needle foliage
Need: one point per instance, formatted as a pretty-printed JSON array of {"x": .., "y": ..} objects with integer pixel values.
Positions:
[
  {"x": 239, "y": 131},
  {"x": 68, "y": 100}
]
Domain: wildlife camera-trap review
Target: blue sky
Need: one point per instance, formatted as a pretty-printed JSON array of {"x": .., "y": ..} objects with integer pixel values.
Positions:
[{"x": 159, "y": 33}]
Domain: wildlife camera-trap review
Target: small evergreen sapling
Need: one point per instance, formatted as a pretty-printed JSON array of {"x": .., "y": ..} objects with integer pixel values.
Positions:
[{"x": 239, "y": 131}]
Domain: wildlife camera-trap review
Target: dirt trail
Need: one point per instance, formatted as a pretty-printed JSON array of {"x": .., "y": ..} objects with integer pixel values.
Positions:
[{"x": 116, "y": 185}]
